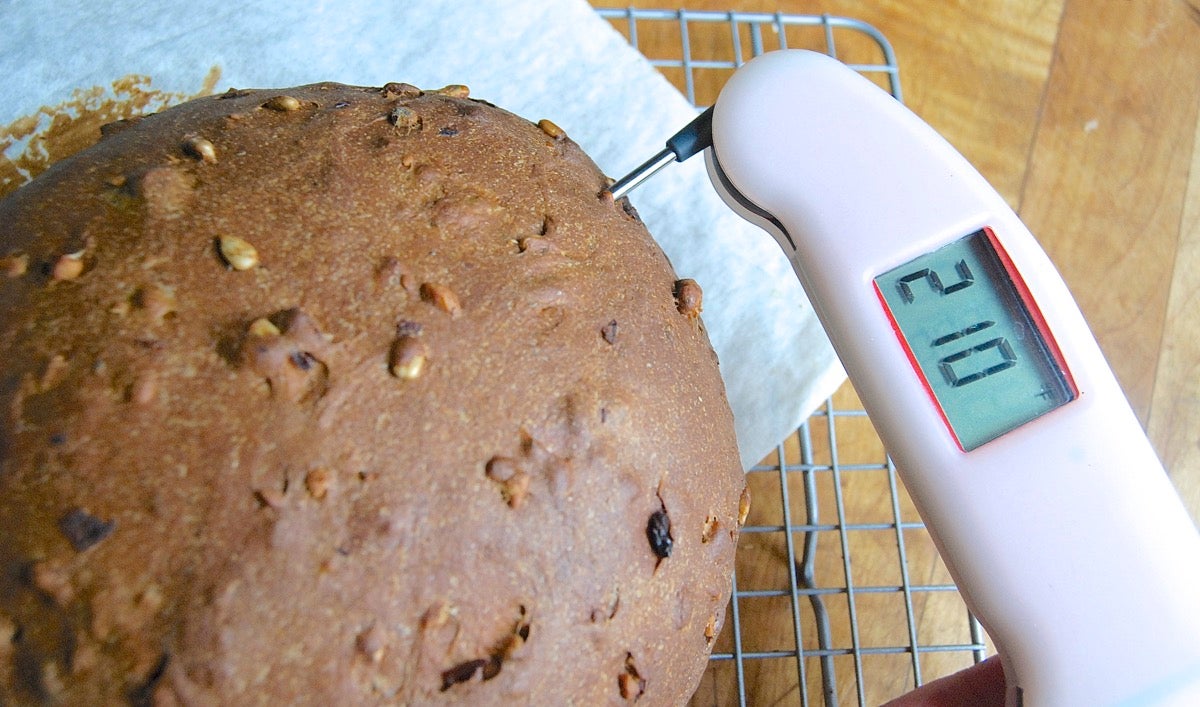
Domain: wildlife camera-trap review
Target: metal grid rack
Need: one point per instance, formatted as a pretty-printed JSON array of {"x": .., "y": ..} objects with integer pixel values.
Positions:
[{"x": 839, "y": 594}]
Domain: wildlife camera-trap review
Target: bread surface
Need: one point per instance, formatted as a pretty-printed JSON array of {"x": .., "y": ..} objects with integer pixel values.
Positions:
[{"x": 344, "y": 395}]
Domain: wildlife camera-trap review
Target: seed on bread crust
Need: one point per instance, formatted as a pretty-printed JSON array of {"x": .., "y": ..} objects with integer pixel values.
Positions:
[
  {"x": 144, "y": 388},
  {"x": 442, "y": 297},
  {"x": 515, "y": 490},
  {"x": 404, "y": 118},
  {"x": 500, "y": 469},
  {"x": 689, "y": 298},
  {"x": 263, "y": 327},
  {"x": 744, "y": 506},
  {"x": 454, "y": 90},
  {"x": 630, "y": 683},
  {"x": 407, "y": 357},
  {"x": 403, "y": 91},
  {"x": 68, "y": 266},
  {"x": 237, "y": 252},
  {"x": 317, "y": 482},
  {"x": 282, "y": 104},
  {"x": 157, "y": 301},
  {"x": 15, "y": 265},
  {"x": 200, "y": 148},
  {"x": 551, "y": 129}
]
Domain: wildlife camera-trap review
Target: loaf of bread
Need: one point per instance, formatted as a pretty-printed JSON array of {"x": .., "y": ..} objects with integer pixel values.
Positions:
[{"x": 343, "y": 395}]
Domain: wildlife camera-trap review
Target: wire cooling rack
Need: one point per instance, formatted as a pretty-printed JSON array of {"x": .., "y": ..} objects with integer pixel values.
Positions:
[{"x": 839, "y": 595}]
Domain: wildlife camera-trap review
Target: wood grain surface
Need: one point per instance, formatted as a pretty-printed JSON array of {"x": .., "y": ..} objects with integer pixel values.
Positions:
[{"x": 1085, "y": 115}]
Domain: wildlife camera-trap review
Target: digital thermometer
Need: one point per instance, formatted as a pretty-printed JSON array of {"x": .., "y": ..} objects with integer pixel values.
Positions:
[{"x": 1020, "y": 451}]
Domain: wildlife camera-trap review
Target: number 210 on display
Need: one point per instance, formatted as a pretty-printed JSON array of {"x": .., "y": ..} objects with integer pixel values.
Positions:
[{"x": 975, "y": 339}]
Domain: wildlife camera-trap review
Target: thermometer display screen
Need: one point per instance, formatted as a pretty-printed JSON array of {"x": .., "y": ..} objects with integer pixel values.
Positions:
[{"x": 976, "y": 338}]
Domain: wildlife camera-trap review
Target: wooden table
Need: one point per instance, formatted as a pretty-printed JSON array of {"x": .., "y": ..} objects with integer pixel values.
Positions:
[{"x": 1085, "y": 115}]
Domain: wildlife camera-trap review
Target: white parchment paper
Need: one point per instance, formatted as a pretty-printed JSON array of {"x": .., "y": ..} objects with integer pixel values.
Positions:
[{"x": 552, "y": 59}]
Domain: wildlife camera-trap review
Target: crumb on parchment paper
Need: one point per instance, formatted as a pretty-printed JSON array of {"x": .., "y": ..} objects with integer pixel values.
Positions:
[{"x": 31, "y": 143}]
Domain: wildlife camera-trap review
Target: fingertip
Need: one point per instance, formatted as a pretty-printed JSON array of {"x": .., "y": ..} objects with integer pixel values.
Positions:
[{"x": 981, "y": 684}]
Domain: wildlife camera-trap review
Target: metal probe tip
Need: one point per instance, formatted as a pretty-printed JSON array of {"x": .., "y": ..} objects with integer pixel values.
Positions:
[
  {"x": 693, "y": 139},
  {"x": 626, "y": 184}
]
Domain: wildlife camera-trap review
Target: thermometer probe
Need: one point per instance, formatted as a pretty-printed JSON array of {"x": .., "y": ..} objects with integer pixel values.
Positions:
[{"x": 1018, "y": 447}]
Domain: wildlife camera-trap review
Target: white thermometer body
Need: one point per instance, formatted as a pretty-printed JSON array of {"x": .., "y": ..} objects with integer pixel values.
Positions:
[{"x": 972, "y": 359}]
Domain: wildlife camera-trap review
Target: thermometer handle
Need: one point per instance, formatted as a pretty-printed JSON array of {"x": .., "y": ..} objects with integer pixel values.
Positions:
[{"x": 1063, "y": 533}]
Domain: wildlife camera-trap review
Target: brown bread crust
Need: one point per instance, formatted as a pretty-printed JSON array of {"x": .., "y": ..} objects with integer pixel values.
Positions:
[{"x": 348, "y": 395}]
